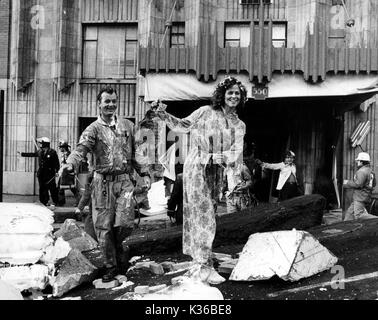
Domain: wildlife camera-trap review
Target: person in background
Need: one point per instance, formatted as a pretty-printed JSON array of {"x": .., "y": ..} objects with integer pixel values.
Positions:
[
  {"x": 216, "y": 135},
  {"x": 48, "y": 168},
  {"x": 67, "y": 181},
  {"x": 287, "y": 185},
  {"x": 255, "y": 169},
  {"x": 363, "y": 184},
  {"x": 237, "y": 183},
  {"x": 111, "y": 141},
  {"x": 175, "y": 202}
]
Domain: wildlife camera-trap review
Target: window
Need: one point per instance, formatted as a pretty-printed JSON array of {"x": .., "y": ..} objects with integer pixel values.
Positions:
[
  {"x": 338, "y": 2},
  {"x": 279, "y": 35},
  {"x": 246, "y": 2},
  {"x": 177, "y": 39},
  {"x": 239, "y": 34},
  {"x": 110, "y": 52}
]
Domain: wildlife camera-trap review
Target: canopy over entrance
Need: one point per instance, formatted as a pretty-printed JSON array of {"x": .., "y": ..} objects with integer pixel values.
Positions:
[{"x": 178, "y": 87}]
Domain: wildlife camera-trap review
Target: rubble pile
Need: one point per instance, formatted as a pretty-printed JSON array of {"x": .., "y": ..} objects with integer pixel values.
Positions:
[{"x": 32, "y": 258}]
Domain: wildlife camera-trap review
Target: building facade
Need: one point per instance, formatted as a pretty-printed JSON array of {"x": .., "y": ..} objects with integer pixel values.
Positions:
[{"x": 310, "y": 67}]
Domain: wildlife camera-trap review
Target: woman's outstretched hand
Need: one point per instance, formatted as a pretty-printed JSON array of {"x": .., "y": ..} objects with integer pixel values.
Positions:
[{"x": 157, "y": 106}]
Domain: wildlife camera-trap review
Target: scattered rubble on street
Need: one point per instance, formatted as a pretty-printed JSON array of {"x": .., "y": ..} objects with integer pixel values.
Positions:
[{"x": 37, "y": 258}]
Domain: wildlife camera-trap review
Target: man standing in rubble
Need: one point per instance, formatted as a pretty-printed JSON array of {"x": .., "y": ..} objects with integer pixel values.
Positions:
[
  {"x": 111, "y": 141},
  {"x": 363, "y": 184}
]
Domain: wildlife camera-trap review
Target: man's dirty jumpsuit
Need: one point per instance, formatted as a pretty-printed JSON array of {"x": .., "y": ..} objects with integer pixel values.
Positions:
[{"x": 113, "y": 152}]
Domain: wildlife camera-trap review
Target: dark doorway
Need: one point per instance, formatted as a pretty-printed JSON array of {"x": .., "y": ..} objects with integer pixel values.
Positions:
[{"x": 85, "y": 122}]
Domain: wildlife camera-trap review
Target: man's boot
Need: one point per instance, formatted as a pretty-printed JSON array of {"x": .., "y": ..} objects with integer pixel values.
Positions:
[{"x": 110, "y": 274}]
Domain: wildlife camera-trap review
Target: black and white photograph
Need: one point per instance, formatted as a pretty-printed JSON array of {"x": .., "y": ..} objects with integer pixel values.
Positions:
[{"x": 189, "y": 154}]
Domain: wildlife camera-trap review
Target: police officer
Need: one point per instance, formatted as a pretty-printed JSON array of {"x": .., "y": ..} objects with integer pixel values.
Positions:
[
  {"x": 48, "y": 168},
  {"x": 67, "y": 181}
]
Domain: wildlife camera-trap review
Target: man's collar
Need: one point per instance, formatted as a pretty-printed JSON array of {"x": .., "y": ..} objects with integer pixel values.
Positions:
[{"x": 112, "y": 124}]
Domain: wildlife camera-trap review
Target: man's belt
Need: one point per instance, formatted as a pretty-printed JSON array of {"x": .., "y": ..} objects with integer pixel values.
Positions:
[{"x": 112, "y": 177}]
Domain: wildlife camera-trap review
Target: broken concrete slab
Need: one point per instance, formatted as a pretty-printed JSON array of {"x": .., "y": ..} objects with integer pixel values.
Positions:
[
  {"x": 99, "y": 284},
  {"x": 25, "y": 232},
  {"x": 121, "y": 278},
  {"x": 141, "y": 289},
  {"x": 8, "y": 292},
  {"x": 291, "y": 255},
  {"x": 124, "y": 285},
  {"x": 25, "y": 277},
  {"x": 76, "y": 236},
  {"x": 182, "y": 266},
  {"x": 228, "y": 266},
  {"x": 156, "y": 268},
  {"x": 143, "y": 265},
  {"x": 56, "y": 252},
  {"x": 75, "y": 270},
  {"x": 186, "y": 289},
  {"x": 157, "y": 288}
]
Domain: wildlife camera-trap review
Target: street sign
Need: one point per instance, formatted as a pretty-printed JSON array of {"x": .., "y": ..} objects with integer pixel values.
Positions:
[{"x": 260, "y": 92}]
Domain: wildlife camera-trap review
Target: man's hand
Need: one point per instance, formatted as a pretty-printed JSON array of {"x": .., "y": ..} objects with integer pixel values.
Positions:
[
  {"x": 67, "y": 167},
  {"x": 259, "y": 162}
]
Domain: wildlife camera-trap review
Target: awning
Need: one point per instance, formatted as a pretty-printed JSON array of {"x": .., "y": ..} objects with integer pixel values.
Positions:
[{"x": 176, "y": 87}]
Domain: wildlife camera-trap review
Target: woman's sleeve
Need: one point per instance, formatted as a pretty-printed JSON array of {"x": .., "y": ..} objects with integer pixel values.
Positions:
[
  {"x": 181, "y": 125},
  {"x": 273, "y": 166}
]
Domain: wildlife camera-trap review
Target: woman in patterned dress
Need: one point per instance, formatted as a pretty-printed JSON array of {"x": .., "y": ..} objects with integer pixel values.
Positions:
[{"x": 216, "y": 139}]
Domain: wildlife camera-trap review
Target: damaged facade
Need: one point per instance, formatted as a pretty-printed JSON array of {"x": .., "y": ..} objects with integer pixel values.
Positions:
[{"x": 310, "y": 77}]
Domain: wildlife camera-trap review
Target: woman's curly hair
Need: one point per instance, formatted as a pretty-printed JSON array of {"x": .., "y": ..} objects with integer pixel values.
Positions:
[{"x": 222, "y": 87}]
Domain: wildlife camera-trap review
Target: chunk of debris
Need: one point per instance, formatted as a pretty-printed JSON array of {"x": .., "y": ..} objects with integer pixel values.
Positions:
[
  {"x": 291, "y": 255},
  {"x": 156, "y": 268},
  {"x": 72, "y": 298},
  {"x": 25, "y": 232},
  {"x": 177, "y": 280},
  {"x": 157, "y": 288},
  {"x": 134, "y": 259},
  {"x": 8, "y": 292},
  {"x": 124, "y": 285},
  {"x": 143, "y": 265},
  {"x": 142, "y": 289},
  {"x": 227, "y": 266},
  {"x": 76, "y": 236},
  {"x": 56, "y": 252},
  {"x": 99, "y": 284},
  {"x": 182, "y": 266},
  {"x": 75, "y": 270},
  {"x": 121, "y": 278},
  {"x": 24, "y": 277},
  {"x": 167, "y": 265},
  {"x": 221, "y": 257},
  {"x": 187, "y": 289}
]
